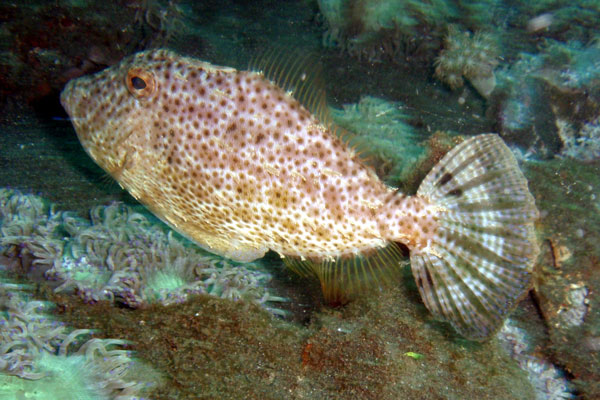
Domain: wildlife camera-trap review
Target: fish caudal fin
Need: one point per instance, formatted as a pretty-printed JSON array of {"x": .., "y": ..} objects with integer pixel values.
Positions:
[{"x": 478, "y": 264}]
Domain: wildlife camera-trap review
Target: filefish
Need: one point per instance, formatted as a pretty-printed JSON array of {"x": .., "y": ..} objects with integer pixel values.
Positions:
[{"x": 243, "y": 162}]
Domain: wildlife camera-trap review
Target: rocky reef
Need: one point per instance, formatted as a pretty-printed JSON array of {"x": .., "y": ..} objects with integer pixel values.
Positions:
[{"x": 410, "y": 80}]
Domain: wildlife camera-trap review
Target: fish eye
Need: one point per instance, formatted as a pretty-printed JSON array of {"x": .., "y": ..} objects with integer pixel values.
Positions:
[{"x": 140, "y": 83}]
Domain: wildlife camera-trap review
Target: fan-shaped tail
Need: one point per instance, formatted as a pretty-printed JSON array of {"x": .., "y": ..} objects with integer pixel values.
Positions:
[{"x": 479, "y": 263}]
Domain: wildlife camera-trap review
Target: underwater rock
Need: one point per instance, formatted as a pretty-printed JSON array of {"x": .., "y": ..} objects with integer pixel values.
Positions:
[
  {"x": 43, "y": 45},
  {"x": 563, "y": 21},
  {"x": 548, "y": 380},
  {"x": 384, "y": 346},
  {"x": 549, "y": 103},
  {"x": 581, "y": 141},
  {"x": 567, "y": 278}
]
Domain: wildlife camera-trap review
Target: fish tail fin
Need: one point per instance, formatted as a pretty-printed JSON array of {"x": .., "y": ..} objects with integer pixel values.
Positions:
[{"x": 478, "y": 264}]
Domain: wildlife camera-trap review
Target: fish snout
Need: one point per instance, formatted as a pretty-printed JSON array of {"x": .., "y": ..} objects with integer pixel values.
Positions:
[{"x": 72, "y": 96}]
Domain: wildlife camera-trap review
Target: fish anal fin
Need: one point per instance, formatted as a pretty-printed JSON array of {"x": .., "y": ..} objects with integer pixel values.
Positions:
[{"x": 346, "y": 277}]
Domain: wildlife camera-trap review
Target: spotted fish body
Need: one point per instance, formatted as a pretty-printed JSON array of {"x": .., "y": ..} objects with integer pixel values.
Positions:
[{"x": 238, "y": 165}]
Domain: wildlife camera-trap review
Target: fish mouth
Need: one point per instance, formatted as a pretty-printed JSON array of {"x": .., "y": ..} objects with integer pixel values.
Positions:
[
  {"x": 75, "y": 100},
  {"x": 66, "y": 95},
  {"x": 71, "y": 97}
]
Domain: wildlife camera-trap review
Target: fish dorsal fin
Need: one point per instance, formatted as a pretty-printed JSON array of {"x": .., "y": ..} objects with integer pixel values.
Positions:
[
  {"x": 296, "y": 72},
  {"x": 301, "y": 74},
  {"x": 346, "y": 277}
]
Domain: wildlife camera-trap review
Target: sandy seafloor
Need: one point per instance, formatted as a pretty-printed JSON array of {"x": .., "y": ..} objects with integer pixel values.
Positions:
[{"x": 210, "y": 348}]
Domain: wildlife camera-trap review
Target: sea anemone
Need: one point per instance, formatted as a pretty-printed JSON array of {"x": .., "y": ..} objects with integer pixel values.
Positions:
[
  {"x": 473, "y": 57},
  {"x": 23, "y": 220},
  {"x": 121, "y": 256},
  {"x": 38, "y": 360}
]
